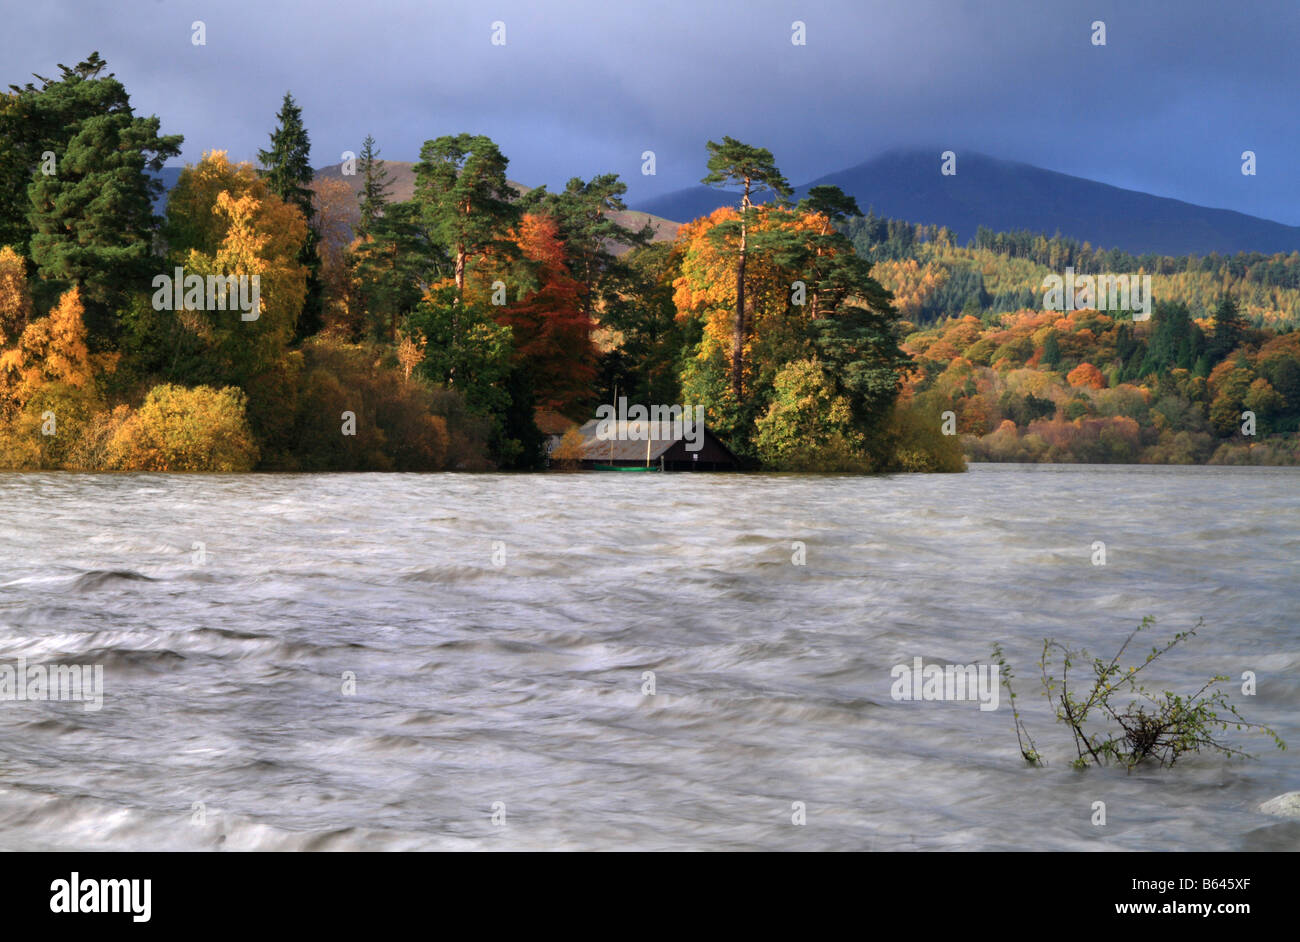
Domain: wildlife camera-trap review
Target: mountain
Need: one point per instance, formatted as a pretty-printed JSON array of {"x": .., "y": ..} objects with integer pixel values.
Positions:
[
  {"x": 1006, "y": 196},
  {"x": 168, "y": 176},
  {"x": 401, "y": 179}
]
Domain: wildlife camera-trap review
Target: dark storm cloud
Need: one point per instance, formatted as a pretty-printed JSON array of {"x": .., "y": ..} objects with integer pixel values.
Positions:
[{"x": 1167, "y": 106}]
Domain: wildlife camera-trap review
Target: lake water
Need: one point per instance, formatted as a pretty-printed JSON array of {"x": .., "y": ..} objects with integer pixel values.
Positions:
[{"x": 225, "y": 724}]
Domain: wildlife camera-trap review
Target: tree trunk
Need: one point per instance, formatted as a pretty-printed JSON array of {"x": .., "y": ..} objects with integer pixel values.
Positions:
[
  {"x": 455, "y": 320},
  {"x": 392, "y": 311},
  {"x": 816, "y": 272},
  {"x": 738, "y": 332}
]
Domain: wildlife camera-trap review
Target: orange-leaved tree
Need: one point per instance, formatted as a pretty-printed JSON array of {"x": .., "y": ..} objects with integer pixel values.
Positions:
[
  {"x": 549, "y": 322},
  {"x": 48, "y": 387}
]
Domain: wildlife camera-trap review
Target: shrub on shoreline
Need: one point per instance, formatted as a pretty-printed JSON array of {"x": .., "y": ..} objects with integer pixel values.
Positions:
[
  {"x": 1152, "y": 726},
  {"x": 179, "y": 429}
]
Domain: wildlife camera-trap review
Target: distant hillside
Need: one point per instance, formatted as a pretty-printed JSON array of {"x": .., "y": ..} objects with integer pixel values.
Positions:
[
  {"x": 169, "y": 176},
  {"x": 401, "y": 177},
  {"x": 1007, "y": 196}
]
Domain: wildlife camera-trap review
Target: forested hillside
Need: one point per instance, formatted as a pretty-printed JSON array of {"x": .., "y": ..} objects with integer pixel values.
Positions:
[
  {"x": 1089, "y": 387},
  {"x": 1219, "y": 354},
  {"x": 933, "y": 277}
]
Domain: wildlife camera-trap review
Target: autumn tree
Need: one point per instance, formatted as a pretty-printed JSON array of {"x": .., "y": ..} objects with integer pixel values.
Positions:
[
  {"x": 15, "y": 298},
  {"x": 568, "y": 452},
  {"x": 587, "y": 216},
  {"x": 49, "y": 390},
  {"x": 52, "y": 349},
  {"x": 222, "y": 219},
  {"x": 853, "y": 335},
  {"x": 400, "y": 425},
  {"x": 1086, "y": 375},
  {"x": 410, "y": 353},
  {"x": 732, "y": 163},
  {"x": 549, "y": 325},
  {"x": 916, "y": 442}
]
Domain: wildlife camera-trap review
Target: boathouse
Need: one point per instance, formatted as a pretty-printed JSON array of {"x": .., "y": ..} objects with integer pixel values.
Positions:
[{"x": 641, "y": 446}]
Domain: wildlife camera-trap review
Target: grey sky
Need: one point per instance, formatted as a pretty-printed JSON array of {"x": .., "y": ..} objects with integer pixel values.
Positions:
[{"x": 1167, "y": 106}]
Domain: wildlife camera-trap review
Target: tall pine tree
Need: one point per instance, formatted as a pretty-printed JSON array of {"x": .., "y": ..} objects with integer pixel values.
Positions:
[
  {"x": 288, "y": 174},
  {"x": 374, "y": 187},
  {"x": 77, "y": 195},
  {"x": 753, "y": 169},
  {"x": 460, "y": 183},
  {"x": 1229, "y": 328}
]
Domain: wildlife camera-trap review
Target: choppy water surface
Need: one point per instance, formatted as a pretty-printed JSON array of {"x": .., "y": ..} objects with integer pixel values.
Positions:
[{"x": 522, "y": 683}]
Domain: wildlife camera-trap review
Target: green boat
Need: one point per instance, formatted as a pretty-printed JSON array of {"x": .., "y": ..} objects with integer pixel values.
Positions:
[{"x": 615, "y": 467}]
